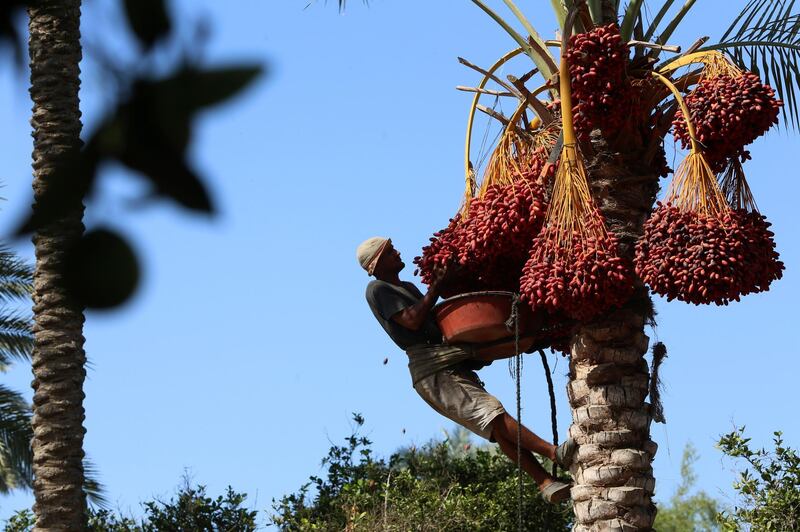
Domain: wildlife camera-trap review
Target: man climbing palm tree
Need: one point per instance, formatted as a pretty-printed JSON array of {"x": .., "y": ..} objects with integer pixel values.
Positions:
[{"x": 443, "y": 375}]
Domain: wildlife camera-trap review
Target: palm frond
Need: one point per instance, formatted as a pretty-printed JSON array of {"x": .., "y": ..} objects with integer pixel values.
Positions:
[
  {"x": 94, "y": 490},
  {"x": 596, "y": 10},
  {"x": 560, "y": 12},
  {"x": 15, "y": 346},
  {"x": 342, "y": 4},
  {"x": 16, "y": 277},
  {"x": 539, "y": 45},
  {"x": 765, "y": 39},
  {"x": 16, "y": 337},
  {"x": 653, "y": 27},
  {"x": 578, "y": 25},
  {"x": 15, "y": 441},
  {"x": 545, "y": 66},
  {"x": 631, "y": 14},
  {"x": 610, "y": 8},
  {"x": 672, "y": 26}
]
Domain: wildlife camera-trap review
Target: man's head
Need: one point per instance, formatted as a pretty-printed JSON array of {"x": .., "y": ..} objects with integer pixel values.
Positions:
[{"x": 379, "y": 258}]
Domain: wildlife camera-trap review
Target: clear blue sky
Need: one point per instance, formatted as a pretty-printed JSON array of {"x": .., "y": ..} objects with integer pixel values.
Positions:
[{"x": 250, "y": 344}]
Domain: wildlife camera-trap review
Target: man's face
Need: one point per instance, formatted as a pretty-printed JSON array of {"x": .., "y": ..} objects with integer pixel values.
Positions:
[{"x": 390, "y": 260}]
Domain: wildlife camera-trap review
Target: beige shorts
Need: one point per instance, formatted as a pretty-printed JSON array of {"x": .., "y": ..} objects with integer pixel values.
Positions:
[{"x": 459, "y": 395}]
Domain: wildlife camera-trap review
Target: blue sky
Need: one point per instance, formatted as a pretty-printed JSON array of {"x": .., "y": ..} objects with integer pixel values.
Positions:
[{"x": 249, "y": 344}]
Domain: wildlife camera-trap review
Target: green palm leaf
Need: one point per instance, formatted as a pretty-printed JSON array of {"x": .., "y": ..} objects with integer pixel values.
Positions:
[
  {"x": 343, "y": 4},
  {"x": 539, "y": 55},
  {"x": 15, "y": 441},
  {"x": 16, "y": 337},
  {"x": 91, "y": 486},
  {"x": 530, "y": 29},
  {"x": 651, "y": 30},
  {"x": 596, "y": 11},
  {"x": 765, "y": 39},
  {"x": 560, "y": 11},
  {"x": 632, "y": 13},
  {"x": 16, "y": 277},
  {"x": 672, "y": 26},
  {"x": 16, "y": 284}
]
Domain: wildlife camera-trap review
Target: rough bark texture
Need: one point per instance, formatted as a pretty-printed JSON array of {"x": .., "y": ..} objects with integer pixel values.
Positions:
[
  {"x": 58, "y": 356},
  {"x": 608, "y": 373}
]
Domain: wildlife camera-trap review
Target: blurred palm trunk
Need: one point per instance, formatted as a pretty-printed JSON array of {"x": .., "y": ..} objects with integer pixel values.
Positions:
[{"x": 58, "y": 356}]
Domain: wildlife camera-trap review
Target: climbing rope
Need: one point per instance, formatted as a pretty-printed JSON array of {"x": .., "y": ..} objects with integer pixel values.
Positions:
[
  {"x": 553, "y": 417},
  {"x": 517, "y": 374},
  {"x": 515, "y": 369}
]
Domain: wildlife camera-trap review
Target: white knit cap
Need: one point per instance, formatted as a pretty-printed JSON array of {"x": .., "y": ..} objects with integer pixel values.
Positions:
[{"x": 369, "y": 251}]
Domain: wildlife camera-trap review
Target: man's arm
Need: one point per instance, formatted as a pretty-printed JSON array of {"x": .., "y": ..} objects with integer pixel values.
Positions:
[{"x": 414, "y": 316}]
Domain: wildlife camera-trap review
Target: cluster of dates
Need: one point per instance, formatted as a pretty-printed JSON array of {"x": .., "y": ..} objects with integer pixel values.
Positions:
[
  {"x": 581, "y": 281},
  {"x": 485, "y": 249},
  {"x": 443, "y": 252},
  {"x": 728, "y": 113},
  {"x": 531, "y": 166},
  {"x": 703, "y": 258},
  {"x": 601, "y": 90}
]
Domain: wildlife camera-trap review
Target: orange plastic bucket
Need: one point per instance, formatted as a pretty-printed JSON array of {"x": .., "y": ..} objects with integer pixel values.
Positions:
[{"x": 478, "y": 317}]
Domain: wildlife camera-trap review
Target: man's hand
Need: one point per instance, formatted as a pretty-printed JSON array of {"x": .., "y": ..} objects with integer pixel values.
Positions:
[
  {"x": 440, "y": 274},
  {"x": 413, "y": 317}
]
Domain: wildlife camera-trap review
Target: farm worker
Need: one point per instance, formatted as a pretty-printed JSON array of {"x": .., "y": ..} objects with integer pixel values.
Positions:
[{"x": 443, "y": 375}]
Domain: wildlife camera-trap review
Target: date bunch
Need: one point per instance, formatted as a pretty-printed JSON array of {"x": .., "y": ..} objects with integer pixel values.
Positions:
[
  {"x": 600, "y": 89},
  {"x": 485, "y": 249},
  {"x": 706, "y": 258},
  {"x": 581, "y": 280},
  {"x": 728, "y": 113}
]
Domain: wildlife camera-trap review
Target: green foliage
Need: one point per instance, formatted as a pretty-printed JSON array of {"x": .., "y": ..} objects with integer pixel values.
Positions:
[
  {"x": 16, "y": 284},
  {"x": 768, "y": 486},
  {"x": 16, "y": 343},
  {"x": 696, "y": 512},
  {"x": 15, "y": 435},
  {"x": 444, "y": 485},
  {"x": 192, "y": 510}
]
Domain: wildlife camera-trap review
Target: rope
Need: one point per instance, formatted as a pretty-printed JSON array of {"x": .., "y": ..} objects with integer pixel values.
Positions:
[
  {"x": 516, "y": 373},
  {"x": 518, "y": 377},
  {"x": 553, "y": 417}
]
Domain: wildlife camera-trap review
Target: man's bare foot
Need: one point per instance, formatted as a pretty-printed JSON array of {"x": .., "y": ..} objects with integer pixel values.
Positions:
[{"x": 555, "y": 491}]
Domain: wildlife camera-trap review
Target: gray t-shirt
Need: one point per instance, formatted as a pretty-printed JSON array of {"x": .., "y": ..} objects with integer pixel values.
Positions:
[{"x": 385, "y": 300}]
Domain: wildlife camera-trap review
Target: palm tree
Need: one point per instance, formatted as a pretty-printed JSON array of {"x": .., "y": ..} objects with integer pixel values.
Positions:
[
  {"x": 58, "y": 355},
  {"x": 609, "y": 377}
]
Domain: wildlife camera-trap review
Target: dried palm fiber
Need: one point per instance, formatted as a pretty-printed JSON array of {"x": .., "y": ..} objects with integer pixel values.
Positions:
[
  {"x": 573, "y": 266},
  {"x": 656, "y": 408},
  {"x": 735, "y": 187},
  {"x": 519, "y": 156},
  {"x": 649, "y": 124},
  {"x": 695, "y": 247},
  {"x": 762, "y": 260},
  {"x": 729, "y": 108},
  {"x": 488, "y": 240}
]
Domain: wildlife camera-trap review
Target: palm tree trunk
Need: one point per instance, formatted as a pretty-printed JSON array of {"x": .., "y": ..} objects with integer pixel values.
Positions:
[
  {"x": 58, "y": 356},
  {"x": 609, "y": 376}
]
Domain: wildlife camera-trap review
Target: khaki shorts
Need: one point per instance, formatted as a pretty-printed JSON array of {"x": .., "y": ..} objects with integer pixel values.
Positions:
[{"x": 459, "y": 395}]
